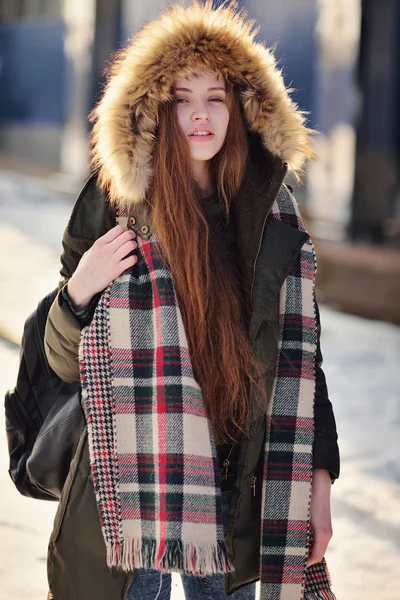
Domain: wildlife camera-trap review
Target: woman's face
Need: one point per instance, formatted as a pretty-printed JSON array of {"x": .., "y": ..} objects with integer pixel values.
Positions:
[{"x": 202, "y": 108}]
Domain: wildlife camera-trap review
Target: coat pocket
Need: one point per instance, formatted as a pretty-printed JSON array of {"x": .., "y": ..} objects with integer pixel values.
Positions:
[
  {"x": 77, "y": 564},
  {"x": 74, "y": 471},
  {"x": 62, "y": 505}
]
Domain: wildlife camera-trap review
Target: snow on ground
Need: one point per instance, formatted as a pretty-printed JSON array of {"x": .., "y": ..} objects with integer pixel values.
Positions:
[
  {"x": 361, "y": 363},
  {"x": 363, "y": 372}
]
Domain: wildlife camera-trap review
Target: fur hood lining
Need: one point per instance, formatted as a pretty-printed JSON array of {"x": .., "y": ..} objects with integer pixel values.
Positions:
[{"x": 181, "y": 41}]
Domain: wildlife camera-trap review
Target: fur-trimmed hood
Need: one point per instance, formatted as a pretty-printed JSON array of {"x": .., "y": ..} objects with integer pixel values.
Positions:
[{"x": 181, "y": 41}]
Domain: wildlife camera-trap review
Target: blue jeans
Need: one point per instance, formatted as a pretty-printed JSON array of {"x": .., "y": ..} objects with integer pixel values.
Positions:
[{"x": 149, "y": 584}]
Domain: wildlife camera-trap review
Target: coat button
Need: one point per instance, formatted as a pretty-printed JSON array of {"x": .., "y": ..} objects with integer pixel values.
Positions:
[
  {"x": 132, "y": 220},
  {"x": 144, "y": 229}
]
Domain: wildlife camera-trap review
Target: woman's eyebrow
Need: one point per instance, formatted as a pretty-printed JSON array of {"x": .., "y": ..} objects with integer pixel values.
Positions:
[{"x": 211, "y": 89}]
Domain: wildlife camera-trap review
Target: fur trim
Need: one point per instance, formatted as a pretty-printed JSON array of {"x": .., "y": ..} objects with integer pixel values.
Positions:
[{"x": 183, "y": 40}]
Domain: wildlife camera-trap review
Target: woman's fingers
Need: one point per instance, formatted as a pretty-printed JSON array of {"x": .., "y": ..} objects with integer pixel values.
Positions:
[
  {"x": 113, "y": 233},
  {"x": 322, "y": 538},
  {"x": 127, "y": 263},
  {"x": 109, "y": 256},
  {"x": 320, "y": 515},
  {"x": 124, "y": 250},
  {"x": 126, "y": 236}
]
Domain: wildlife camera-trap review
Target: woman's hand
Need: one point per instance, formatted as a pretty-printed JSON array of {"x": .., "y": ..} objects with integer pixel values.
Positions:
[
  {"x": 321, "y": 523},
  {"x": 101, "y": 264}
]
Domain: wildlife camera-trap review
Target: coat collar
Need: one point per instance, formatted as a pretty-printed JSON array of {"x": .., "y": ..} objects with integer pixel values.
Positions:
[
  {"x": 267, "y": 247},
  {"x": 261, "y": 182}
]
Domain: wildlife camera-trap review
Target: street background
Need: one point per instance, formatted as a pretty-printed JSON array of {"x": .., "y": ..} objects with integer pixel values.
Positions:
[{"x": 341, "y": 56}]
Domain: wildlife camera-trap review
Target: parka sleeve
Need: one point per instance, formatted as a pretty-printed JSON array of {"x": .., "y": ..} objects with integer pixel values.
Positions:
[
  {"x": 326, "y": 450},
  {"x": 63, "y": 329}
]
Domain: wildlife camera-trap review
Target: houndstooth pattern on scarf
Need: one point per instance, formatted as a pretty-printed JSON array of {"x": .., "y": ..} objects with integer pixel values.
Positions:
[{"x": 97, "y": 400}]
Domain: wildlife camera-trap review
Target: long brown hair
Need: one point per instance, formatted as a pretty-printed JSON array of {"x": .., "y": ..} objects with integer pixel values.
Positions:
[{"x": 208, "y": 289}]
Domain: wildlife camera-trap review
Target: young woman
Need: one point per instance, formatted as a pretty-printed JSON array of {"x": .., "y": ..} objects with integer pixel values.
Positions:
[{"x": 187, "y": 311}]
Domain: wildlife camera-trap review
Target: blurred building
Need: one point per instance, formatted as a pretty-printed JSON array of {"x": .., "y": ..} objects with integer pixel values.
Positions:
[
  {"x": 52, "y": 57},
  {"x": 33, "y": 79},
  {"x": 354, "y": 189},
  {"x": 340, "y": 56}
]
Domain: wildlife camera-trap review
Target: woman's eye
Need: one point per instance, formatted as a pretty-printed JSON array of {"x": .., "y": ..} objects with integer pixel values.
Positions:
[{"x": 183, "y": 100}]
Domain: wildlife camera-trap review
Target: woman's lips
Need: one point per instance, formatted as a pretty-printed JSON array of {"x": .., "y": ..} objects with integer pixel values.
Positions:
[{"x": 202, "y": 138}]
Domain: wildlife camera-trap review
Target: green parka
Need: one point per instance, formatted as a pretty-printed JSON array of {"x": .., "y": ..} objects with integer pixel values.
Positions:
[
  {"x": 181, "y": 42},
  {"x": 77, "y": 562}
]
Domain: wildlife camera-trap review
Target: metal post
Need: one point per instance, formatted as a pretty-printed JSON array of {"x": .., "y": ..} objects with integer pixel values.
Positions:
[
  {"x": 378, "y": 139},
  {"x": 79, "y": 18},
  {"x": 106, "y": 41}
]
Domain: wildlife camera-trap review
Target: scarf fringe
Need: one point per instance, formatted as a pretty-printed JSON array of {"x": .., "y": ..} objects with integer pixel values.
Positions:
[
  {"x": 321, "y": 595},
  {"x": 176, "y": 557}
]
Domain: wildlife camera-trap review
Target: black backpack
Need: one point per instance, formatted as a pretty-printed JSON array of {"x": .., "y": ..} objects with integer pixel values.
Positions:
[{"x": 44, "y": 416}]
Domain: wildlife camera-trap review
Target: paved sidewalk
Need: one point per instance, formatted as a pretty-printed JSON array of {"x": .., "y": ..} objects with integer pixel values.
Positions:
[{"x": 362, "y": 368}]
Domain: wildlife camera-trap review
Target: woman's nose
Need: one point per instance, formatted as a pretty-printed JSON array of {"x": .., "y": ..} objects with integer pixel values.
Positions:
[{"x": 201, "y": 113}]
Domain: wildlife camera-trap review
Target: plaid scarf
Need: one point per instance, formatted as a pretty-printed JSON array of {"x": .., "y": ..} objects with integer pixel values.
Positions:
[{"x": 152, "y": 451}]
